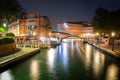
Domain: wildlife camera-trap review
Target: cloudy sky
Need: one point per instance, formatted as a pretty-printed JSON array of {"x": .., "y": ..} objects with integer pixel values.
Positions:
[{"x": 68, "y": 10}]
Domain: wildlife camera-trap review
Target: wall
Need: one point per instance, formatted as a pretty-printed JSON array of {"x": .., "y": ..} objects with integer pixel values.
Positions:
[{"x": 7, "y": 49}]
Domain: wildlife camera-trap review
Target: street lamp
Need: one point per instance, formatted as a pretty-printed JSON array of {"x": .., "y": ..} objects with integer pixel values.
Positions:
[{"x": 113, "y": 34}]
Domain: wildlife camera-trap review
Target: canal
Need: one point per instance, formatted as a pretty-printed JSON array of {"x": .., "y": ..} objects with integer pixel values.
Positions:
[{"x": 72, "y": 60}]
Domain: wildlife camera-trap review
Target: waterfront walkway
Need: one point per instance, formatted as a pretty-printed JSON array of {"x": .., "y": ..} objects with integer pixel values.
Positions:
[
  {"x": 109, "y": 49},
  {"x": 17, "y": 55}
]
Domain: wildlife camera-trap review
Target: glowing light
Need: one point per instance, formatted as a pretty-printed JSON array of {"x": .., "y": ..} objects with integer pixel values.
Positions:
[
  {"x": 98, "y": 63},
  {"x": 4, "y": 24},
  {"x": 97, "y": 34},
  {"x": 6, "y": 76},
  {"x": 34, "y": 33},
  {"x": 112, "y": 72},
  {"x": 87, "y": 34},
  {"x": 65, "y": 56},
  {"x": 87, "y": 56},
  {"x": 113, "y": 34},
  {"x": 65, "y": 24},
  {"x": 34, "y": 70},
  {"x": 50, "y": 59}
]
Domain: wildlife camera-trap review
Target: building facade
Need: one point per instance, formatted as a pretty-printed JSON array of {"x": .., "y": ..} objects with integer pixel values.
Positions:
[
  {"x": 81, "y": 29},
  {"x": 31, "y": 28}
]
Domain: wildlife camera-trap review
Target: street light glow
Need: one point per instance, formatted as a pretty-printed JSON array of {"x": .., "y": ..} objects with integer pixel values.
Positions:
[
  {"x": 65, "y": 24},
  {"x": 4, "y": 24},
  {"x": 34, "y": 33},
  {"x": 97, "y": 34},
  {"x": 113, "y": 34}
]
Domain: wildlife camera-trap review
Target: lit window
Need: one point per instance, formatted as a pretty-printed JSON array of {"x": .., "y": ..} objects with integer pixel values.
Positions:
[
  {"x": 28, "y": 32},
  {"x": 27, "y": 27}
]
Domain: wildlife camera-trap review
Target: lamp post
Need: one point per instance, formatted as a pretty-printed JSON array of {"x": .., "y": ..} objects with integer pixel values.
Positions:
[{"x": 113, "y": 34}]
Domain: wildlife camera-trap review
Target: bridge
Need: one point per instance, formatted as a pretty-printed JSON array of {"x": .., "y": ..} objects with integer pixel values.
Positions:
[{"x": 63, "y": 34}]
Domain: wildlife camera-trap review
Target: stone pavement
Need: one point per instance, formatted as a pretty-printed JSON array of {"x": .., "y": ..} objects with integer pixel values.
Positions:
[
  {"x": 22, "y": 52},
  {"x": 116, "y": 47},
  {"x": 108, "y": 48}
]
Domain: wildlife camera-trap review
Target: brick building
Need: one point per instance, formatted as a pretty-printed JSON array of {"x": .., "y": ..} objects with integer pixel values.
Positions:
[{"x": 31, "y": 28}]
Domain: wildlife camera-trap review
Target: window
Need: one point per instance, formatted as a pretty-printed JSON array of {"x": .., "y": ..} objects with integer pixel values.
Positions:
[
  {"x": 20, "y": 33},
  {"x": 20, "y": 27},
  {"x": 31, "y": 27},
  {"x": 27, "y": 27},
  {"x": 28, "y": 32}
]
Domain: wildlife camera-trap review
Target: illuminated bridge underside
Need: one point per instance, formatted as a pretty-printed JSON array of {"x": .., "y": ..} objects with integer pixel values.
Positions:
[{"x": 64, "y": 34}]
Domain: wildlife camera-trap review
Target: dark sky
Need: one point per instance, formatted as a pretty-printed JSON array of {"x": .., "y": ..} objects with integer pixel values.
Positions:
[{"x": 68, "y": 10}]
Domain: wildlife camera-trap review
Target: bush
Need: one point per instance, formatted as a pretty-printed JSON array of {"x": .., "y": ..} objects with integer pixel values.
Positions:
[
  {"x": 6, "y": 40},
  {"x": 2, "y": 41},
  {"x": 10, "y": 35}
]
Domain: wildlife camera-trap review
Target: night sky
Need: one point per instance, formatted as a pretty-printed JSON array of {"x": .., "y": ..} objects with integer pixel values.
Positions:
[{"x": 68, "y": 10}]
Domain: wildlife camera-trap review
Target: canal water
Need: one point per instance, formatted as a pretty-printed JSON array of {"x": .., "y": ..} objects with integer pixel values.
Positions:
[{"x": 72, "y": 60}]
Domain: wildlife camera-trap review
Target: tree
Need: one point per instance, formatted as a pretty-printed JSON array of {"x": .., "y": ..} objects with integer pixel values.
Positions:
[
  {"x": 10, "y": 35},
  {"x": 99, "y": 21},
  {"x": 106, "y": 21},
  {"x": 3, "y": 29},
  {"x": 114, "y": 21},
  {"x": 10, "y": 10}
]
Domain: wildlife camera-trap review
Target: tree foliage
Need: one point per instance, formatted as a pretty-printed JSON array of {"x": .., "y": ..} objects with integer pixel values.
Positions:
[
  {"x": 3, "y": 29},
  {"x": 106, "y": 21},
  {"x": 10, "y": 35},
  {"x": 10, "y": 10}
]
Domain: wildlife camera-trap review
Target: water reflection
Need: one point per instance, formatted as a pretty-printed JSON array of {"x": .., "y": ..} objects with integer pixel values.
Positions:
[
  {"x": 96, "y": 60},
  {"x": 65, "y": 55},
  {"x": 50, "y": 59},
  {"x": 34, "y": 70},
  {"x": 69, "y": 61},
  {"x": 112, "y": 72},
  {"x": 58, "y": 57},
  {"x": 87, "y": 56},
  {"x": 6, "y": 75},
  {"x": 72, "y": 49},
  {"x": 98, "y": 63}
]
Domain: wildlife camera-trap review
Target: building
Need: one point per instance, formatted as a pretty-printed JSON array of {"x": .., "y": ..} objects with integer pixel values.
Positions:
[
  {"x": 81, "y": 29},
  {"x": 31, "y": 28},
  {"x": 14, "y": 28}
]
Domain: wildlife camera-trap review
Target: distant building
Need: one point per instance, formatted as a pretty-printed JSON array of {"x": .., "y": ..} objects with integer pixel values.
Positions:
[
  {"x": 32, "y": 27},
  {"x": 81, "y": 29}
]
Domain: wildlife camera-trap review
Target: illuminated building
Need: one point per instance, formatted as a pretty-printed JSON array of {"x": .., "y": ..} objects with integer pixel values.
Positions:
[
  {"x": 32, "y": 27},
  {"x": 81, "y": 29}
]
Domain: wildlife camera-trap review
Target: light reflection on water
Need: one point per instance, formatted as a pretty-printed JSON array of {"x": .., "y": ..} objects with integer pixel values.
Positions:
[
  {"x": 98, "y": 63},
  {"x": 96, "y": 60},
  {"x": 112, "y": 72},
  {"x": 6, "y": 75},
  {"x": 68, "y": 61},
  {"x": 51, "y": 59},
  {"x": 65, "y": 56},
  {"x": 34, "y": 70},
  {"x": 87, "y": 60}
]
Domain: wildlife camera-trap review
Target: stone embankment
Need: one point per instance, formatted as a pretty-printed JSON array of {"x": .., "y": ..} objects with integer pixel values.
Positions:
[
  {"x": 7, "y": 49},
  {"x": 19, "y": 56},
  {"x": 107, "y": 49}
]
